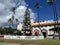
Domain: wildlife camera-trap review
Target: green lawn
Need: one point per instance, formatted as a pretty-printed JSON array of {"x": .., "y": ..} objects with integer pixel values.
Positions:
[{"x": 41, "y": 42}]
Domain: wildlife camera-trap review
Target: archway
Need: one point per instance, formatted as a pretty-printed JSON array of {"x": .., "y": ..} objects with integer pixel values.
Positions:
[
  {"x": 36, "y": 32},
  {"x": 44, "y": 32}
]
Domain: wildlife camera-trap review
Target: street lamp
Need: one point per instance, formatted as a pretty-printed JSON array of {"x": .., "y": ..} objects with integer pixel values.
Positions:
[{"x": 52, "y": 2}]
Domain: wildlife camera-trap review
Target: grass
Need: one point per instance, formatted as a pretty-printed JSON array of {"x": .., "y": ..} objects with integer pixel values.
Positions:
[{"x": 40, "y": 42}]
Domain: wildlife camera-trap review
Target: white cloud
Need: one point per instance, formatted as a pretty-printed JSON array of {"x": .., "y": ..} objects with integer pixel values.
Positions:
[
  {"x": 5, "y": 6},
  {"x": 20, "y": 12},
  {"x": 2, "y": 6},
  {"x": 5, "y": 13}
]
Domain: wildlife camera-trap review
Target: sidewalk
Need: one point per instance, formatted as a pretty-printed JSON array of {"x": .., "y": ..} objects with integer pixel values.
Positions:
[
  {"x": 9, "y": 44},
  {"x": 16, "y": 44}
]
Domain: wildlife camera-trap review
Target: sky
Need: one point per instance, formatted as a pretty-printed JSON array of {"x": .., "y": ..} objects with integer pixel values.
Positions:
[{"x": 45, "y": 11}]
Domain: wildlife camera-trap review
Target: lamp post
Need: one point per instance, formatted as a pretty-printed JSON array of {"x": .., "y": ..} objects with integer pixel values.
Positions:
[{"x": 52, "y": 3}]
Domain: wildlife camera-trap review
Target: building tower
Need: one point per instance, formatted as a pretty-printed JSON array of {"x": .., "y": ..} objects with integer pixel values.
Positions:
[{"x": 27, "y": 23}]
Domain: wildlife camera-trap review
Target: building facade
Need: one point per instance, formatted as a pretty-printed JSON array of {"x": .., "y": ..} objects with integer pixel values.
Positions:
[{"x": 41, "y": 28}]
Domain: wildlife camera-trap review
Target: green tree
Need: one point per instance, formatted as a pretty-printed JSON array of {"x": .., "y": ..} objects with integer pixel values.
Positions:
[
  {"x": 8, "y": 30},
  {"x": 36, "y": 5},
  {"x": 0, "y": 30},
  {"x": 10, "y": 21},
  {"x": 13, "y": 10},
  {"x": 16, "y": 20},
  {"x": 12, "y": 18}
]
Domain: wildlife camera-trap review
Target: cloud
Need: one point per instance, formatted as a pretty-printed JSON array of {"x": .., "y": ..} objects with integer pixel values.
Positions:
[
  {"x": 20, "y": 12},
  {"x": 2, "y": 6},
  {"x": 5, "y": 7},
  {"x": 5, "y": 13}
]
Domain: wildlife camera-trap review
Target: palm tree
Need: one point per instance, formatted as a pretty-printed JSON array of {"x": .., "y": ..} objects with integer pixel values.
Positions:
[
  {"x": 10, "y": 21},
  {"x": 12, "y": 18},
  {"x": 16, "y": 21},
  {"x": 13, "y": 10},
  {"x": 37, "y": 6}
]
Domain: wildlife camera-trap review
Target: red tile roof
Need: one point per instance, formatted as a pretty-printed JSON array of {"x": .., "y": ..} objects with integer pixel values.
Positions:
[{"x": 45, "y": 23}]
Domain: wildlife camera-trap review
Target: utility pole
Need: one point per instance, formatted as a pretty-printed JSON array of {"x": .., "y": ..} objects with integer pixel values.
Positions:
[{"x": 52, "y": 3}]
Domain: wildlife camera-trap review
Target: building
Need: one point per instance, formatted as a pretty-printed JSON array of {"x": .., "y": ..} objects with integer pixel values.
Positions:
[{"x": 42, "y": 27}]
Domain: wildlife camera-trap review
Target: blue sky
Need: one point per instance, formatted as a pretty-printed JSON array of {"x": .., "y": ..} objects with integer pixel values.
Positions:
[{"x": 46, "y": 11}]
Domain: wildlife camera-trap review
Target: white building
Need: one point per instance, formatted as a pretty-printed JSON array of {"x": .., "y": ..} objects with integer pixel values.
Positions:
[
  {"x": 42, "y": 26},
  {"x": 19, "y": 27}
]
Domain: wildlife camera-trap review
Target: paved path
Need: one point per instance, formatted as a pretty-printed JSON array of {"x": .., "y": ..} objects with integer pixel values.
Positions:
[
  {"x": 8, "y": 44},
  {"x": 16, "y": 44}
]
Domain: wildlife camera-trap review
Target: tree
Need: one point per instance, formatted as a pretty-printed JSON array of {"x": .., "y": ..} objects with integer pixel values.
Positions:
[
  {"x": 10, "y": 21},
  {"x": 27, "y": 24},
  {"x": 16, "y": 21},
  {"x": 13, "y": 10},
  {"x": 37, "y": 6},
  {"x": 0, "y": 30},
  {"x": 12, "y": 18},
  {"x": 8, "y": 30}
]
